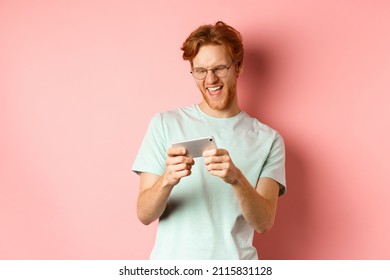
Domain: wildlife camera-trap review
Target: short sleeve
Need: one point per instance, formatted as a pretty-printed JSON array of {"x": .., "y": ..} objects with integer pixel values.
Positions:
[
  {"x": 274, "y": 166},
  {"x": 152, "y": 153}
]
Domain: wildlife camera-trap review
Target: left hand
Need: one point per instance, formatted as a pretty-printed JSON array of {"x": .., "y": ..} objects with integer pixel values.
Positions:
[{"x": 219, "y": 163}]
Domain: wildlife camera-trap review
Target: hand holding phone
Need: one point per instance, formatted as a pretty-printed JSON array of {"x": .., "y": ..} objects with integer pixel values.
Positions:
[{"x": 178, "y": 165}]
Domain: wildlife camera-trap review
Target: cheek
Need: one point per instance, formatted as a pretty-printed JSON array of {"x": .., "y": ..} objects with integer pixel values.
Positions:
[
  {"x": 199, "y": 84},
  {"x": 232, "y": 82}
]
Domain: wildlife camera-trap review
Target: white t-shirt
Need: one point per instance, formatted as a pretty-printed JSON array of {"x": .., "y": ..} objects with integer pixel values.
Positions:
[{"x": 203, "y": 219}]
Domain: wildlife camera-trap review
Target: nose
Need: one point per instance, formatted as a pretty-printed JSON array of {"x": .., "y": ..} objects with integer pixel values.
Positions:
[{"x": 211, "y": 77}]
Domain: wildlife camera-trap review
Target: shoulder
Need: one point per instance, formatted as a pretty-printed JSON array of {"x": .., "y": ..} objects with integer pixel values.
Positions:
[
  {"x": 176, "y": 114},
  {"x": 259, "y": 127}
]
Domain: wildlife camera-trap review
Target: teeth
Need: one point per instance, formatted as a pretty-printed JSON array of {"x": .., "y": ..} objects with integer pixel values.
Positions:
[{"x": 214, "y": 88}]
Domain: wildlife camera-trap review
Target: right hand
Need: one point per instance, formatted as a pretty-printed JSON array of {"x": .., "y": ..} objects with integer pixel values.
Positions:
[{"x": 178, "y": 165}]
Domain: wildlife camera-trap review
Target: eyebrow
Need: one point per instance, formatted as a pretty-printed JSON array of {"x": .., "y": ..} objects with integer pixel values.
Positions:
[{"x": 210, "y": 67}]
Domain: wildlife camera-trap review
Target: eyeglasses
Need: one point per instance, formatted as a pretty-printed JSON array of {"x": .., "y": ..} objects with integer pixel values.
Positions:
[{"x": 220, "y": 71}]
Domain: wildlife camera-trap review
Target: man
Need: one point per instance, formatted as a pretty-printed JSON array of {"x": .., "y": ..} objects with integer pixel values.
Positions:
[{"x": 208, "y": 207}]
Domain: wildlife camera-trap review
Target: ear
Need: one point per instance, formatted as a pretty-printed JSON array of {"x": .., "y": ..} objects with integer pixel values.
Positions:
[{"x": 240, "y": 68}]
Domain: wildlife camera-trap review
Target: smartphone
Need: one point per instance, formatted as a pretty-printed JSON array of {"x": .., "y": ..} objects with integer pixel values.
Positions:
[{"x": 195, "y": 147}]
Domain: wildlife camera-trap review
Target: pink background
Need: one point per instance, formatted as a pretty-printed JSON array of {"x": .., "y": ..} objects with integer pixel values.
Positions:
[{"x": 80, "y": 80}]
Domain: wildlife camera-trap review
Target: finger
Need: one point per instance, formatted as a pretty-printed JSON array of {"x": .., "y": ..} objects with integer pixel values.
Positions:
[
  {"x": 179, "y": 167},
  {"x": 183, "y": 173},
  {"x": 216, "y": 159},
  {"x": 176, "y": 151},
  {"x": 176, "y": 176},
  {"x": 217, "y": 166},
  {"x": 209, "y": 152},
  {"x": 178, "y": 160},
  {"x": 215, "y": 152},
  {"x": 219, "y": 173}
]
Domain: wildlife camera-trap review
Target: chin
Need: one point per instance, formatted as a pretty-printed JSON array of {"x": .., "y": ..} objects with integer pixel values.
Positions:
[{"x": 219, "y": 105}]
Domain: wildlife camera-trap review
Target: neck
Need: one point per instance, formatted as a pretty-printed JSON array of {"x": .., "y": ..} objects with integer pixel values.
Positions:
[{"x": 219, "y": 113}]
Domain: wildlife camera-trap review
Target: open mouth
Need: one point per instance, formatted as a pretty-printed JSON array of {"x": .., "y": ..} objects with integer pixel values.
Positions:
[{"x": 214, "y": 91}]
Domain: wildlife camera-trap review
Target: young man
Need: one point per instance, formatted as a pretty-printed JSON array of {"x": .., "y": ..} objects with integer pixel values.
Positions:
[{"x": 208, "y": 207}]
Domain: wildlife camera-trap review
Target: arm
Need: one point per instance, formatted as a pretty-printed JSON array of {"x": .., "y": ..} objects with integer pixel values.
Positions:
[
  {"x": 155, "y": 190},
  {"x": 258, "y": 205}
]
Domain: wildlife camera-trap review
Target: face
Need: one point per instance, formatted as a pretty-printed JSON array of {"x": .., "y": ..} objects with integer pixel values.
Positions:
[{"x": 219, "y": 94}]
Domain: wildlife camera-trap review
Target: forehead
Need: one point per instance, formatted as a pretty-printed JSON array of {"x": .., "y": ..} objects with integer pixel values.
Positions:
[{"x": 211, "y": 55}]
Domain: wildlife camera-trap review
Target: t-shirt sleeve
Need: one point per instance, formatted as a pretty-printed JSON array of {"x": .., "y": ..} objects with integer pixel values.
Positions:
[
  {"x": 152, "y": 153},
  {"x": 274, "y": 166}
]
